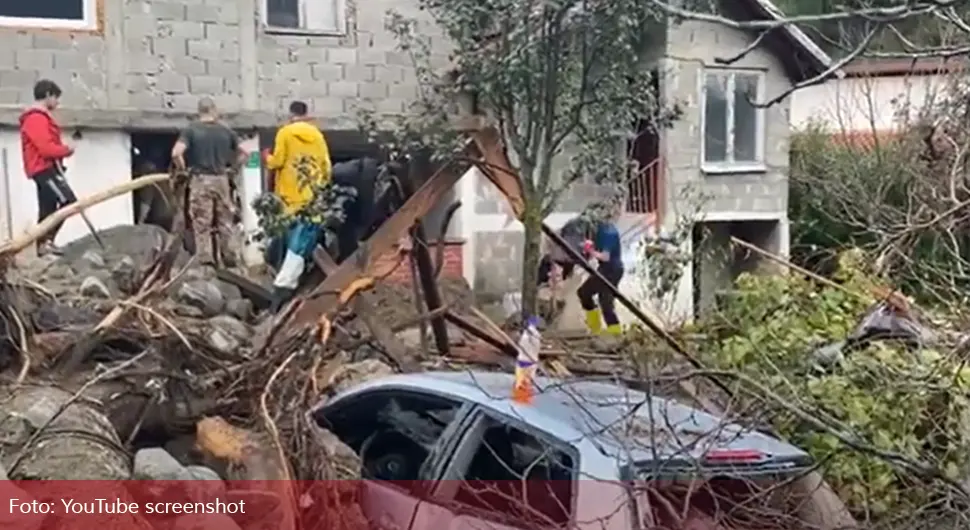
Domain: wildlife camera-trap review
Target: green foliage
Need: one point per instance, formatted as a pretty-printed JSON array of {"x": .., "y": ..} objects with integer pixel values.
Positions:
[
  {"x": 890, "y": 196},
  {"x": 327, "y": 207},
  {"x": 884, "y": 398}
]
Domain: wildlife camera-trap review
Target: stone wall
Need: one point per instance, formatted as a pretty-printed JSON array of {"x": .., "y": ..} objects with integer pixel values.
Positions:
[{"x": 152, "y": 59}]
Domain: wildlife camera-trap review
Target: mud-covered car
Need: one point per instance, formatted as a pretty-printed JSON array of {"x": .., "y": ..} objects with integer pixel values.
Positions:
[{"x": 452, "y": 450}]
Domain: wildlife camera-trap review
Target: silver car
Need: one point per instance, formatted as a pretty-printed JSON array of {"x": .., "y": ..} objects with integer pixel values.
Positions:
[{"x": 453, "y": 450}]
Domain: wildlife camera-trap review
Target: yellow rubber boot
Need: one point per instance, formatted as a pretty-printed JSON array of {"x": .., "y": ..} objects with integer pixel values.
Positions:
[
  {"x": 594, "y": 321},
  {"x": 614, "y": 329}
]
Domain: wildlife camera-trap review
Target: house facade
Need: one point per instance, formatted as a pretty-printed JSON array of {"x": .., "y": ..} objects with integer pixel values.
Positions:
[
  {"x": 722, "y": 168},
  {"x": 876, "y": 95},
  {"x": 132, "y": 72}
]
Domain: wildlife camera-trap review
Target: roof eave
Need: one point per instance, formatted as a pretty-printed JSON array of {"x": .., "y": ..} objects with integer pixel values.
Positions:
[{"x": 822, "y": 62}]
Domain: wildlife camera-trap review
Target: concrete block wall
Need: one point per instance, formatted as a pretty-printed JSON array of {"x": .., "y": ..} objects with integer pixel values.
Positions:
[
  {"x": 153, "y": 59},
  {"x": 692, "y": 46}
]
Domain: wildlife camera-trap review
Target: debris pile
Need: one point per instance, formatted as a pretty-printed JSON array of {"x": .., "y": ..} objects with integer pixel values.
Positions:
[
  {"x": 124, "y": 359},
  {"x": 128, "y": 361}
]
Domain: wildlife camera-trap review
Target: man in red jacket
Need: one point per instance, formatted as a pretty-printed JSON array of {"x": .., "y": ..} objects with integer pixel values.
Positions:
[{"x": 43, "y": 152}]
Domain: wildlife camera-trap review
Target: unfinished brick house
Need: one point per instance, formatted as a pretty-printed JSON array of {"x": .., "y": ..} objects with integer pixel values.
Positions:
[{"x": 132, "y": 72}]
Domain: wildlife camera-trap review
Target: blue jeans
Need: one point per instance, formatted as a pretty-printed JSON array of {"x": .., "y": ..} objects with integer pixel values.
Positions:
[{"x": 276, "y": 250}]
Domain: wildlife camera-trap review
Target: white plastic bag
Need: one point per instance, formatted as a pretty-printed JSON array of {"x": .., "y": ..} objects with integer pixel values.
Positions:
[{"x": 290, "y": 271}]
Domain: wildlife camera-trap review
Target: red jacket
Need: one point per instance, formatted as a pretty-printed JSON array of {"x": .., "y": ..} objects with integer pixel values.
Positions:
[{"x": 40, "y": 140}]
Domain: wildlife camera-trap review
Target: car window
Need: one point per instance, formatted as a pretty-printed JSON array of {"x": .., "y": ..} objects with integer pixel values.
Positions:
[
  {"x": 514, "y": 474},
  {"x": 393, "y": 432}
]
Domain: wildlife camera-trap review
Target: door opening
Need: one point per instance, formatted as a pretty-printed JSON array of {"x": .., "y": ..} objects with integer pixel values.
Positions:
[{"x": 151, "y": 152}]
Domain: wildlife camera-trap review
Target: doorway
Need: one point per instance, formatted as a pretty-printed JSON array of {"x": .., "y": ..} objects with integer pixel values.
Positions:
[
  {"x": 151, "y": 152},
  {"x": 717, "y": 261}
]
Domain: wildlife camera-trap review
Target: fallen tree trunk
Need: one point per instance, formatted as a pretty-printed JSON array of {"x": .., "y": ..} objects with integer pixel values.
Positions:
[{"x": 23, "y": 241}]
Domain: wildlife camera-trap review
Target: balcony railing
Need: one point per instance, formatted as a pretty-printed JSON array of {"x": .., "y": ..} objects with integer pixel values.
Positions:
[{"x": 645, "y": 190}]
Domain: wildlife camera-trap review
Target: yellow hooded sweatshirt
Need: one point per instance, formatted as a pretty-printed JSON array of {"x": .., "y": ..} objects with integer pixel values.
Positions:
[{"x": 295, "y": 142}]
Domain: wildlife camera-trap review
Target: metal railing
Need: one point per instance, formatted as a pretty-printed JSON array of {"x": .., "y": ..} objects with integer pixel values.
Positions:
[{"x": 645, "y": 189}]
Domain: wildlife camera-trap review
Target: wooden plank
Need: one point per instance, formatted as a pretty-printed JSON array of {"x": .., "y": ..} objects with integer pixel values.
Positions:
[
  {"x": 366, "y": 310},
  {"x": 367, "y": 256},
  {"x": 497, "y": 168},
  {"x": 422, "y": 258},
  {"x": 498, "y": 343}
]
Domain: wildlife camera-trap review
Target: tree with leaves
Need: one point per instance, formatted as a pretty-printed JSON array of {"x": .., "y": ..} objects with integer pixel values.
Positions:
[{"x": 563, "y": 81}]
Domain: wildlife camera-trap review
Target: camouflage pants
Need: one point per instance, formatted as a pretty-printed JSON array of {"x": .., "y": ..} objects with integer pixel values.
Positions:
[{"x": 211, "y": 211}]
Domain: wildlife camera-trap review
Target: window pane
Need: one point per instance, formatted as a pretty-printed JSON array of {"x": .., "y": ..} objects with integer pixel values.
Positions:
[
  {"x": 745, "y": 118},
  {"x": 283, "y": 13},
  {"x": 514, "y": 474},
  {"x": 49, "y": 9},
  {"x": 392, "y": 433},
  {"x": 715, "y": 119},
  {"x": 321, "y": 15}
]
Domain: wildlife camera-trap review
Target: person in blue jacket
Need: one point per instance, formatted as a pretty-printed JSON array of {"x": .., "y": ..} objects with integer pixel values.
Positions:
[{"x": 606, "y": 248}]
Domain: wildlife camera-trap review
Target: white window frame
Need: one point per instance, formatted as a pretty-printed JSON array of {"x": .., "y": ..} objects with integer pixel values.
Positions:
[
  {"x": 88, "y": 23},
  {"x": 305, "y": 6},
  {"x": 729, "y": 165}
]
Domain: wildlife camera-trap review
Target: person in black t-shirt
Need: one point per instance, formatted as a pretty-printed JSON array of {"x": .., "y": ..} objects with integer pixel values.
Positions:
[{"x": 210, "y": 151}]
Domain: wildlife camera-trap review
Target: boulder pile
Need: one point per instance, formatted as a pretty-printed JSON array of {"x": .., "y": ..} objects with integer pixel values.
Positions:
[{"x": 113, "y": 368}]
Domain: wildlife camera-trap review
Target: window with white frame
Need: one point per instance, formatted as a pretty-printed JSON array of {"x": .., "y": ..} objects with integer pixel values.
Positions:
[
  {"x": 733, "y": 125},
  {"x": 310, "y": 16},
  {"x": 50, "y": 14}
]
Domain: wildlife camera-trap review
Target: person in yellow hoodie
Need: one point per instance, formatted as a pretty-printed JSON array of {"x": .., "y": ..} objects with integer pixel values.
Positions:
[
  {"x": 298, "y": 142},
  {"x": 300, "y": 160}
]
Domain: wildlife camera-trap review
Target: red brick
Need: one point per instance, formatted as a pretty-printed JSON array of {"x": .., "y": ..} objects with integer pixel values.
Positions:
[{"x": 451, "y": 268}]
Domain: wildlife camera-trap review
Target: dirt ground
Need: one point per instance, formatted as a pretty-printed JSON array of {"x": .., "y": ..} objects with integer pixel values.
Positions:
[{"x": 395, "y": 301}]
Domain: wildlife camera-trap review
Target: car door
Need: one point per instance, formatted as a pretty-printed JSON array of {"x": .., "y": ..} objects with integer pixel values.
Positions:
[
  {"x": 392, "y": 504},
  {"x": 475, "y": 492}
]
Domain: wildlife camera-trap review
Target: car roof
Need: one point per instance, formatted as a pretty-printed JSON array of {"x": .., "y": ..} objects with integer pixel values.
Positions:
[{"x": 616, "y": 419}]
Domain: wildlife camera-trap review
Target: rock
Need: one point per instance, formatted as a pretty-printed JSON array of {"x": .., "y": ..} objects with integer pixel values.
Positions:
[
  {"x": 203, "y": 473},
  {"x": 79, "y": 443},
  {"x": 223, "y": 342},
  {"x": 202, "y": 294},
  {"x": 829, "y": 355},
  {"x": 93, "y": 287},
  {"x": 139, "y": 242},
  {"x": 125, "y": 275},
  {"x": 93, "y": 258},
  {"x": 155, "y": 463},
  {"x": 411, "y": 337},
  {"x": 58, "y": 269},
  {"x": 240, "y": 308},
  {"x": 199, "y": 273},
  {"x": 55, "y": 316},
  {"x": 208, "y": 485},
  {"x": 346, "y": 375},
  {"x": 228, "y": 290},
  {"x": 212, "y": 521},
  {"x": 231, "y": 326},
  {"x": 189, "y": 311}
]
